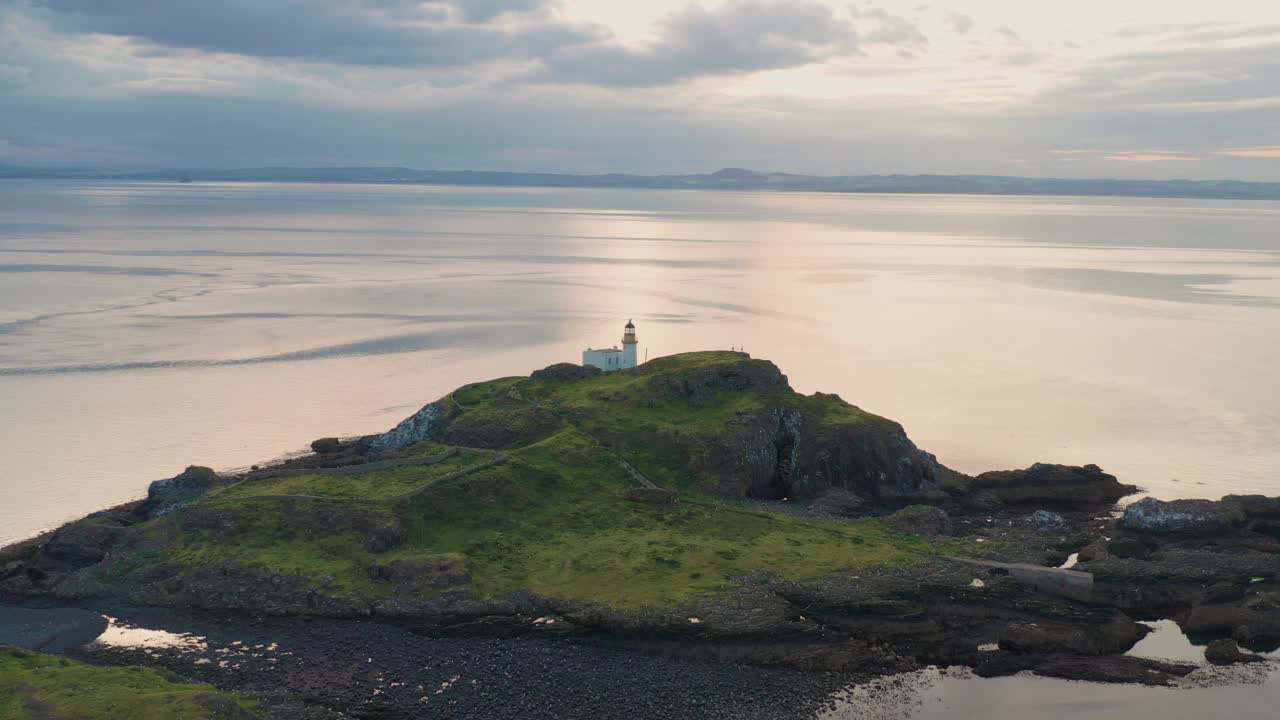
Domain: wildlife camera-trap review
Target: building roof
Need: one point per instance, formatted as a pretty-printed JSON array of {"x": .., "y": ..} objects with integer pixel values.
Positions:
[
  {"x": 630, "y": 325},
  {"x": 605, "y": 350}
]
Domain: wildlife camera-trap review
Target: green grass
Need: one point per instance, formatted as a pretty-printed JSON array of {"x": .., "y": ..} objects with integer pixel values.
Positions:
[
  {"x": 39, "y": 686},
  {"x": 554, "y": 519},
  {"x": 372, "y": 484},
  {"x": 575, "y": 535},
  {"x": 334, "y": 561},
  {"x": 486, "y": 393},
  {"x": 425, "y": 448}
]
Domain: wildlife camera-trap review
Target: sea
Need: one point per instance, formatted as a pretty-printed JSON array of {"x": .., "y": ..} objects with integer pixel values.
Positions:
[{"x": 145, "y": 327}]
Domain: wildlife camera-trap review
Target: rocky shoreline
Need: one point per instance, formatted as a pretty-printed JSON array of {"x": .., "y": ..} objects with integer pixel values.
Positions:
[{"x": 933, "y": 567}]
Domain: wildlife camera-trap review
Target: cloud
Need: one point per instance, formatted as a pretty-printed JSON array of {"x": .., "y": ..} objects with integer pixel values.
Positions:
[
  {"x": 356, "y": 32},
  {"x": 13, "y": 76},
  {"x": 1252, "y": 152},
  {"x": 960, "y": 22},
  {"x": 888, "y": 29},
  {"x": 732, "y": 38},
  {"x": 1152, "y": 156},
  {"x": 178, "y": 84}
]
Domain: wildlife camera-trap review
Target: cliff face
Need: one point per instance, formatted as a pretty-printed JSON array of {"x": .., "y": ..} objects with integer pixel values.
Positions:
[{"x": 790, "y": 450}]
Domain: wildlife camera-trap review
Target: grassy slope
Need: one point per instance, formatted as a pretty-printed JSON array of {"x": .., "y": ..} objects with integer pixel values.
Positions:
[
  {"x": 555, "y": 520},
  {"x": 58, "y": 687},
  {"x": 374, "y": 484}
]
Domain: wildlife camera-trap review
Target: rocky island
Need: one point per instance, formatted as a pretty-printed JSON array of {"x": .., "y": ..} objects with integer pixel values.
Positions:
[{"x": 571, "y": 537}]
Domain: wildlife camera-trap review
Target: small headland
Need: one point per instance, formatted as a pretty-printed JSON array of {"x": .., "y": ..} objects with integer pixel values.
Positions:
[{"x": 695, "y": 509}]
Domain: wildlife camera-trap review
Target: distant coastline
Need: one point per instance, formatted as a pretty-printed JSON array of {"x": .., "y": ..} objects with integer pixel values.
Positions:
[{"x": 726, "y": 179}]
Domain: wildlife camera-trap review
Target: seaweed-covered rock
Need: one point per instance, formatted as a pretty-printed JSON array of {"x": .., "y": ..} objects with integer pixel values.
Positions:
[{"x": 1183, "y": 517}]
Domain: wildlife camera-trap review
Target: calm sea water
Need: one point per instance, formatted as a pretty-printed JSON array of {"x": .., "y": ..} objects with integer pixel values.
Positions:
[{"x": 145, "y": 327}]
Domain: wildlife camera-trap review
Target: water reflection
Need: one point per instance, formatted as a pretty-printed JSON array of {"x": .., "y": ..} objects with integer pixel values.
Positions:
[{"x": 999, "y": 331}]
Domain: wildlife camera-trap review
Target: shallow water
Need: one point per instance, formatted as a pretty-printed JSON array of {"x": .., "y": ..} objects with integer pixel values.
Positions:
[
  {"x": 1246, "y": 692},
  {"x": 145, "y": 327}
]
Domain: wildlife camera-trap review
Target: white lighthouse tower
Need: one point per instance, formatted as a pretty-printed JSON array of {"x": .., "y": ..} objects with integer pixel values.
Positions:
[
  {"x": 614, "y": 358},
  {"x": 629, "y": 343}
]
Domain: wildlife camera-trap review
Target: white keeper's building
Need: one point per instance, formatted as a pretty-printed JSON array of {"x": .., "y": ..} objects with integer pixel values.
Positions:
[{"x": 614, "y": 358}]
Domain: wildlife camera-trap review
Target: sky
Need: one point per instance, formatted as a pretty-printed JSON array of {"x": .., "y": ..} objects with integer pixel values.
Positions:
[{"x": 1087, "y": 88}]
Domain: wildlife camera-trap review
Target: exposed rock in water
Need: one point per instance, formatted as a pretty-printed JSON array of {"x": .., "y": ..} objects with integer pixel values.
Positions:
[
  {"x": 1116, "y": 634},
  {"x": 1227, "y": 652},
  {"x": 415, "y": 428},
  {"x": 1183, "y": 517},
  {"x": 1059, "y": 486},
  {"x": 164, "y": 496},
  {"x": 1116, "y": 668},
  {"x": 1254, "y": 616}
]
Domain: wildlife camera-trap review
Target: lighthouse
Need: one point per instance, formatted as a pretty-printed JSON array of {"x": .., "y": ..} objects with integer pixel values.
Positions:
[
  {"x": 629, "y": 345},
  {"x": 615, "y": 358}
]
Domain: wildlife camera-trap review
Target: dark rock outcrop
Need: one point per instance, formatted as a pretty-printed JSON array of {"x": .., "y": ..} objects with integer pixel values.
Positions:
[
  {"x": 1254, "y": 616},
  {"x": 1045, "y": 521},
  {"x": 1227, "y": 652},
  {"x": 1256, "y": 506},
  {"x": 1115, "y": 669},
  {"x": 564, "y": 372},
  {"x": 791, "y": 451},
  {"x": 838, "y": 502},
  {"x": 84, "y": 543},
  {"x": 1054, "y": 486},
  {"x": 703, "y": 384},
  {"x": 327, "y": 446},
  {"x": 1115, "y": 635},
  {"x": 164, "y": 496},
  {"x": 1183, "y": 517},
  {"x": 426, "y": 575},
  {"x": 494, "y": 430},
  {"x": 920, "y": 520}
]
